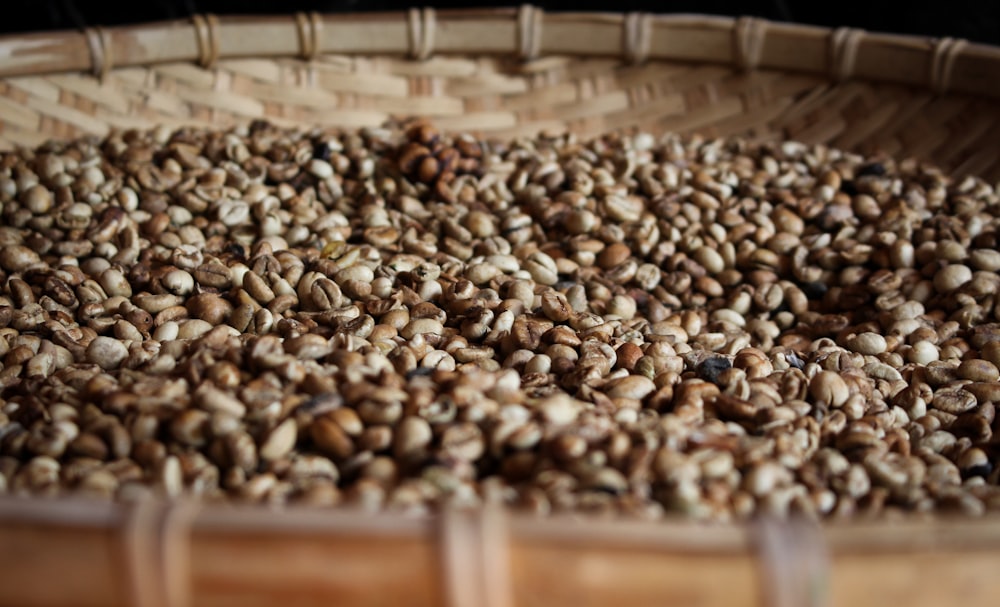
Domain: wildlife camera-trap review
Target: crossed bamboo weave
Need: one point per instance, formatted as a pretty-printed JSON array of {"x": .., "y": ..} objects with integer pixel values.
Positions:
[{"x": 506, "y": 73}]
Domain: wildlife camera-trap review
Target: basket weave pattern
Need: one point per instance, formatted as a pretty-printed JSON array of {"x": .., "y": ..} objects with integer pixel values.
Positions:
[{"x": 506, "y": 73}]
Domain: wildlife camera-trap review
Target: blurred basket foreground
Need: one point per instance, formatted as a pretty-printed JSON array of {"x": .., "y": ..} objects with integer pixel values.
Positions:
[{"x": 85, "y": 553}]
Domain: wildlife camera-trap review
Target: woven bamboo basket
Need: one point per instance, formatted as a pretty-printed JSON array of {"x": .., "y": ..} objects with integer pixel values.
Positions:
[{"x": 499, "y": 73}]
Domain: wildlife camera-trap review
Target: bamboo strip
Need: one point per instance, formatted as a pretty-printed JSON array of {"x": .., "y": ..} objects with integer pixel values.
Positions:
[{"x": 257, "y": 556}]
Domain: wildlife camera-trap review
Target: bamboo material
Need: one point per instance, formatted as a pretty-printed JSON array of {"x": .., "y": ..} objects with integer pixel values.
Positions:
[
  {"x": 71, "y": 552},
  {"x": 509, "y": 72}
]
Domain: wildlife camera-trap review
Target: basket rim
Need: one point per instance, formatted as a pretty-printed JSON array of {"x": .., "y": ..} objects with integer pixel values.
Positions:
[
  {"x": 157, "y": 552},
  {"x": 847, "y": 536},
  {"x": 942, "y": 65}
]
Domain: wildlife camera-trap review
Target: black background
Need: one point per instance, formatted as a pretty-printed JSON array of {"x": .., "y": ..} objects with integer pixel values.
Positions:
[{"x": 977, "y": 20}]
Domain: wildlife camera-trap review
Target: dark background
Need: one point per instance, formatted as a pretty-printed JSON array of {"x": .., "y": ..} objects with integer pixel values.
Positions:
[{"x": 977, "y": 20}]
